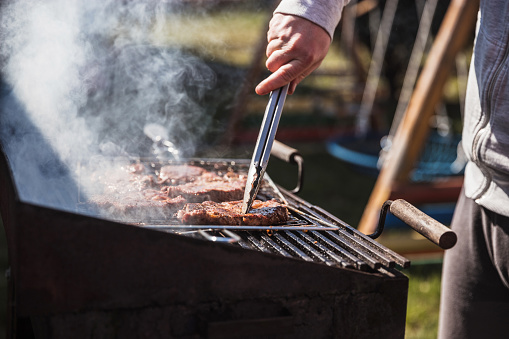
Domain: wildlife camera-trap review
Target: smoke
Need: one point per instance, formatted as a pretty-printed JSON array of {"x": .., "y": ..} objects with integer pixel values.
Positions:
[{"x": 81, "y": 79}]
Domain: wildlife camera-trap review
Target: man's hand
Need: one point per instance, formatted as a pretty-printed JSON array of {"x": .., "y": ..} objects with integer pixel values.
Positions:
[{"x": 296, "y": 47}]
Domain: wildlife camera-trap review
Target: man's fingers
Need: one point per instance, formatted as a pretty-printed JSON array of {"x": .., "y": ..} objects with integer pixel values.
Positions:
[
  {"x": 285, "y": 74},
  {"x": 271, "y": 83},
  {"x": 277, "y": 56},
  {"x": 280, "y": 59},
  {"x": 295, "y": 48},
  {"x": 296, "y": 81},
  {"x": 274, "y": 46}
]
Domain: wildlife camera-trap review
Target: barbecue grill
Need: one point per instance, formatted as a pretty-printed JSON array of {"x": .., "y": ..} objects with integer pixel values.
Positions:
[{"x": 76, "y": 275}]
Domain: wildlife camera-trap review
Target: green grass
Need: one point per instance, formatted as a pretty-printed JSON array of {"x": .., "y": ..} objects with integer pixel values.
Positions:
[
  {"x": 229, "y": 36},
  {"x": 222, "y": 36},
  {"x": 423, "y": 301}
]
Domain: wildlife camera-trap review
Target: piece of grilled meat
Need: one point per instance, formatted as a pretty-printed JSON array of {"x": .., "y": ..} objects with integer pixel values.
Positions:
[
  {"x": 138, "y": 194},
  {"x": 145, "y": 205},
  {"x": 262, "y": 213}
]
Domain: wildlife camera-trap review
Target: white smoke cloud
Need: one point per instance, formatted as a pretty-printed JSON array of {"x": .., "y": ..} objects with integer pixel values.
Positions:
[{"x": 82, "y": 79}]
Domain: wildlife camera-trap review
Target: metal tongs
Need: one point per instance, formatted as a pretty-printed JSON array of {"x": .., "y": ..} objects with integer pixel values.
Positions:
[{"x": 263, "y": 146}]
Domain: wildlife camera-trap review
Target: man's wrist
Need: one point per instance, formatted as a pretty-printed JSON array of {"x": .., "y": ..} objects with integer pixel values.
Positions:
[{"x": 324, "y": 13}]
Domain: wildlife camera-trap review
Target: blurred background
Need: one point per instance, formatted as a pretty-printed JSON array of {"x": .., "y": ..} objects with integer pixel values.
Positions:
[{"x": 339, "y": 118}]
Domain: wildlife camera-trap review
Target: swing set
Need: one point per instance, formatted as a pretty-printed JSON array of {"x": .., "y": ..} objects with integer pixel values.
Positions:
[
  {"x": 415, "y": 160},
  {"x": 411, "y": 133}
]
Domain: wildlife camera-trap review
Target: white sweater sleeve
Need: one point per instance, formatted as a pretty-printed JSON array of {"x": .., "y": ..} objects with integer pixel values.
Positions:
[{"x": 324, "y": 13}]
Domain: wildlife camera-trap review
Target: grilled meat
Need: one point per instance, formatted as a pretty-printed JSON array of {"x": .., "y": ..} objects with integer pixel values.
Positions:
[
  {"x": 180, "y": 174},
  {"x": 142, "y": 205},
  {"x": 262, "y": 213},
  {"x": 167, "y": 175},
  {"x": 217, "y": 191},
  {"x": 140, "y": 194}
]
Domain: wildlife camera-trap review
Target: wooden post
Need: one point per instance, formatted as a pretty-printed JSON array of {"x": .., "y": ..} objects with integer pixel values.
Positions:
[{"x": 410, "y": 137}]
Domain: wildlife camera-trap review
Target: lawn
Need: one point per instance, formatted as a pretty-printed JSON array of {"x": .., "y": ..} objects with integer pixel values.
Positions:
[{"x": 423, "y": 301}]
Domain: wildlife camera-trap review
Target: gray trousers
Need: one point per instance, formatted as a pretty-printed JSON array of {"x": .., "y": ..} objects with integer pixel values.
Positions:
[{"x": 475, "y": 279}]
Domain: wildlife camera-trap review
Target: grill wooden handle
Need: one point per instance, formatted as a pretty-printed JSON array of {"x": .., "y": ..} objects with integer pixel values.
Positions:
[{"x": 435, "y": 231}]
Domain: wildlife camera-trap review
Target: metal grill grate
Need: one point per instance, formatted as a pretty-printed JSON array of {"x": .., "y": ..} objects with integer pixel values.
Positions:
[
  {"x": 311, "y": 234},
  {"x": 342, "y": 247},
  {"x": 327, "y": 247}
]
